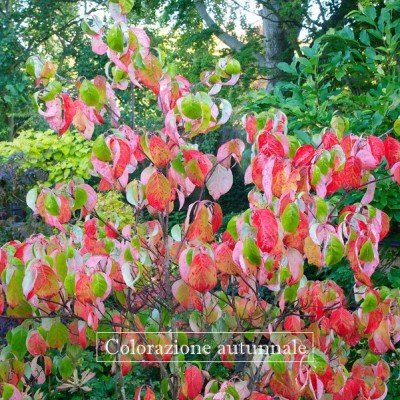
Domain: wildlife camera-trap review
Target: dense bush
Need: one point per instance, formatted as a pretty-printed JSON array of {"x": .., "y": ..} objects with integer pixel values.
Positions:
[{"x": 61, "y": 158}]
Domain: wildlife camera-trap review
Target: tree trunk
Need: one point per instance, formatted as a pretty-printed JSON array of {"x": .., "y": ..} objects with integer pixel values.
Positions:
[{"x": 275, "y": 41}]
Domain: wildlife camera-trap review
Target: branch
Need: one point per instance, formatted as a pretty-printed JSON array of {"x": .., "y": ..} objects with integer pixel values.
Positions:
[{"x": 231, "y": 41}]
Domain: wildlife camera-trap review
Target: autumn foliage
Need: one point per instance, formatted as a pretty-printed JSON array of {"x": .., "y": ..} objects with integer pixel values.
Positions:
[{"x": 94, "y": 275}]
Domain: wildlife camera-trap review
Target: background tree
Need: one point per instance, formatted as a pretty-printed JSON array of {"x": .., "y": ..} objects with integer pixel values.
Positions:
[{"x": 25, "y": 29}]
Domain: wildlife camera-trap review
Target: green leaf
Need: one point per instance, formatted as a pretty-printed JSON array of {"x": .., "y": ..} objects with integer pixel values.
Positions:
[
  {"x": 182, "y": 339},
  {"x": 101, "y": 150},
  {"x": 66, "y": 368},
  {"x": 80, "y": 198},
  {"x": 277, "y": 363},
  {"x": 370, "y": 303},
  {"x": 57, "y": 335},
  {"x": 321, "y": 209},
  {"x": 69, "y": 284},
  {"x": 394, "y": 277},
  {"x": 99, "y": 285},
  {"x": 290, "y": 218},
  {"x": 396, "y": 126},
  {"x": 61, "y": 265},
  {"x": 126, "y": 5},
  {"x": 176, "y": 233},
  {"x": 14, "y": 292},
  {"x": 33, "y": 66},
  {"x": 51, "y": 91},
  {"x": 18, "y": 342},
  {"x": 165, "y": 388},
  {"x": 340, "y": 125},
  {"x": 285, "y": 67},
  {"x": 251, "y": 252},
  {"x": 177, "y": 165},
  {"x": 51, "y": 204},
  {"x": 8, "y": 391},
  {"x": 317, "y": 361},
  {"x": 316, "y": 176},
  {"x": 323, "y": 163},
  {"x": 233, "y": 67},
  {"x": 89, "y": 94},
  {"x": 367, "y": 251},
  {"x": 364, "y": 38},
  {"x": 115, "y": 39},
  {"x": 191, "y": 107},
  {"x": 231, "y": 228},
  {"x": 233, "y": 392},
  {"x": 334, "y": 251}
]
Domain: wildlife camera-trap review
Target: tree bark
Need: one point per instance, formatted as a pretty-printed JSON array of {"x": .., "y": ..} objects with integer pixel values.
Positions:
[{"x": 275, "y": 41}]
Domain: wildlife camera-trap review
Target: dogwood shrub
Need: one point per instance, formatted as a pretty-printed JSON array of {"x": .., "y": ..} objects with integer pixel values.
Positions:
[{"x": 94, "y": 275}]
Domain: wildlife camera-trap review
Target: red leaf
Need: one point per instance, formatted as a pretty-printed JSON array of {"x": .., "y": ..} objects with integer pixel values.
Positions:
[
  {"x": 35, "y": 344},
  {"x": 48, "y": 364},
  {"x": 193, "y": 379},
  {"x": 267, "y": 234},
  {"x": 158, "y": 191},
  {"x": 351, "y": 174},
  {"x": 342, "y": 321},
  {"x": 202, "y": 274},
  {"x": 304, "y": 155},
  {"x": 69, "y": 112},
  {"x": 329, "y": 139},
  {"x": 385, "y": 223},
  {"x": 45, "y": 282},
  {"x": 224, "y": 260},
  {"x": 270, "y": 146},
  {"x": 149, "y": 395},
  {"x": 377, "y": 147},
  {"x": 121, "y": 156},
  {"x": 159, "y": 151},
  {"x": 233, "y": 148},
  {"x": 201, "y": 229},
  {"x": 374, "y": 319},
  {"x": 392, "y": 150},
  {"x": 83, "y": 289},
  {"x": 259, "y": 396},
  {"x": 197, "y": 166},
  {"x": 348, "y": 143},
  {"x": 217, "y": 216},
  {"x": 251, "y": 128},
  {"x": 292, "y": 323},
  {"x": 3, "y": 260},
  {"x": 395, "y": 171},
  {"x": 186, "y": 296}
]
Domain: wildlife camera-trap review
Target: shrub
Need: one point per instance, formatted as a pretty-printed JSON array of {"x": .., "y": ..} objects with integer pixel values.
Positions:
[{"x": 62, "y": 158}]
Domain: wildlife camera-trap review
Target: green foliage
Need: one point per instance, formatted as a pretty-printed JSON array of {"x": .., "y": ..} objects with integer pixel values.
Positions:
[
  {"x": 111, "y": 206},
  {"x": 61, "y": 157},
  {"x": 353, "y": 71}
]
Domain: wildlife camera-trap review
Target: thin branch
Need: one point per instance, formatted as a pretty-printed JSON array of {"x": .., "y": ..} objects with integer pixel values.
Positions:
[{"x": 231, "y": 41}]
